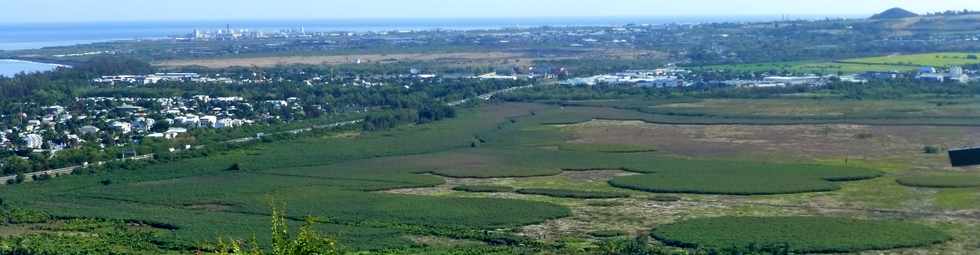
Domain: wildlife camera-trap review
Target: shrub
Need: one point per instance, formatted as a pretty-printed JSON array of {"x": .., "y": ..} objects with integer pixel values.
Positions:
[
  {"x": 106, "y": 182},
  {"x": 930, "y": 149},
  {"x": 235, "y": 167},
  {"x": 572, "y": 193},
  {"x": 483, "y": 188},
  {"x": 665, "y": 198},
  {"x": 607, "y": 233}
]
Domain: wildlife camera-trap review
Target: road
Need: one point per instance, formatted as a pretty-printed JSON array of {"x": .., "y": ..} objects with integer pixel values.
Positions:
[{"x": 489, "y": 95}]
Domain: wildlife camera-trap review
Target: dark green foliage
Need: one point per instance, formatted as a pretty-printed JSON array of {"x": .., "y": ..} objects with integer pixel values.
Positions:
[
  {"x": 604, "y": 203},
  {"x": 483, "y": 188},
  {"x": 665, "y": 198},
  {"x": 798, "y": 234},
  {"x": 941, "y": 181},
  {"x": 235, "y": 167},
  {"x": 929, "y": 149},
  {"x": 566, "y": 193},
  {"x": 607, "y": 233},
  {"x": 742, "y": 178}
]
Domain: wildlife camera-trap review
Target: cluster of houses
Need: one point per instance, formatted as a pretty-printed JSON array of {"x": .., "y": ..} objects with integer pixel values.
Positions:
[
  {"x": 657, "y": 78},
  {"x": 119, "y": 121}
]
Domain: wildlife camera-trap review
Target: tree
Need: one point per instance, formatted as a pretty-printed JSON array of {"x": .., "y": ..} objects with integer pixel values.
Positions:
[
  {"x": 306, "y": 242},
  {"x": 15, "y": 165}
]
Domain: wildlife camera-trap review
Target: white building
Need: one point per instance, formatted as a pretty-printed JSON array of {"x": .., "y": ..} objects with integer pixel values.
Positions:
[
  {"x": 227, "y": 123},
  {"x": 123, "y": 127},
  {"x": 33, "y": 141},
  {"x": 86, "y": 130},
  {"x": 208, "y": 121}
]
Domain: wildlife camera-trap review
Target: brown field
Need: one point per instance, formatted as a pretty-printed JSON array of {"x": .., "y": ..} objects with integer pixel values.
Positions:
[{"x": 788, "y": 142}]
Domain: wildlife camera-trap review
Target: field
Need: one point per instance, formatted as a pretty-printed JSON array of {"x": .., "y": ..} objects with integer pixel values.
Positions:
[
  {"x": 898, "y": 63},
  {"x": 431, "y": 187},
  {"x": 920, "y": 60},
  {"x": 798, "y": 234},
  {"x": 821, "y": 67}
]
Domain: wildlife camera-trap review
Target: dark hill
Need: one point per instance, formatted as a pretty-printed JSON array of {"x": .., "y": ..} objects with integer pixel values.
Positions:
[{"x": 895, "y": 13}]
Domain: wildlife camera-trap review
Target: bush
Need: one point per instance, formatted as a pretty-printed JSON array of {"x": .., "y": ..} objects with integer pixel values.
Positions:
[
  {"x": 235, "y": 167},
  {"x": 573, "y": 193},
  {"x": 607, "y": 233},
  {"x": 604, "y": 203},
  {"x": 483, "y": 188},
  {"x": 106, "y": 182},
  {"x": 665, "y": 198},
  {"x": 930, "y": 149}
]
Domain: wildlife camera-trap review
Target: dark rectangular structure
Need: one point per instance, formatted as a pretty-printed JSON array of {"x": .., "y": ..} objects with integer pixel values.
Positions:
[{"x": 965, "y": 157}]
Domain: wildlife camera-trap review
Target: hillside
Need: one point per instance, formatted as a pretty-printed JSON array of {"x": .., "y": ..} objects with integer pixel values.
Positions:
[{"x": 895, "y": 13}]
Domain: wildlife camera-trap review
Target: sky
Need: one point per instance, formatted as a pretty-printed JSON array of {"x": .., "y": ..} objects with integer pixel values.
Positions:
[{"x": 34, "y": 11}]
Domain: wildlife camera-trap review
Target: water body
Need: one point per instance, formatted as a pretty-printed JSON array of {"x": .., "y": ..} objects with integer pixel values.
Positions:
[
  {"x": 34, "y": 36},
  {"x": 10, "y": 67}
]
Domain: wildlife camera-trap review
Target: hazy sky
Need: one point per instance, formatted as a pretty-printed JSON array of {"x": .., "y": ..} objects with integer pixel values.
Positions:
[{"x": 29, "y": 11}]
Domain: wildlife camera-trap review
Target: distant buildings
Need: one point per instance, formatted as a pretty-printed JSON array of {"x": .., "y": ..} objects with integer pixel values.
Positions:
[
  {"x": 148, "y": 79},
  {"x": 953, "y": 74},
  {"x": 659, "y": 78}
]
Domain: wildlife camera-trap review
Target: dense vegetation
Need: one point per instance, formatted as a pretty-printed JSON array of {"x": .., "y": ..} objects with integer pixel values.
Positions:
[
  {"x": 483, "y": 188},
  {"x": 741, "y": 178},
  {"x": 941, "y": 181},
  {"x": 568, "y": 193},
  {"x": 798, "y": 234}
]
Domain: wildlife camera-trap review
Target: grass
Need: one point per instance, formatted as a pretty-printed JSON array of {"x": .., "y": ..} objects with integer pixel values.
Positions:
[
  {"x": 941, "y": 181},
  {"x": 898, "y": 63},
  {"x": 798, "y": 234},
  {"x": 918, "y": 60},
  {"x": 483, "y": 188},
  {"x": 567, "y": 193},
  {"x": 820, "y": 67}
]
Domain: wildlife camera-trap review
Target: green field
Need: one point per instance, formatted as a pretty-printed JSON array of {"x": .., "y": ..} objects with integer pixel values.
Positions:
[
  {"x": 817, "y": 67},
  {"x": 798, "y": 234},
  {"x": 896, "y": 63},
  {"x": 920, "y": 60},
  {"x": 352, "y": 182}
]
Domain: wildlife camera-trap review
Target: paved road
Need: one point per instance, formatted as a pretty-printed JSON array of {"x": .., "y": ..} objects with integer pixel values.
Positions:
[{"x": 490, "y": 95}]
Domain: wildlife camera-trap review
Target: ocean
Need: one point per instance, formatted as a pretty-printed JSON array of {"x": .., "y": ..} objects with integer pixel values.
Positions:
[{"x": 9, "y": 67}]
